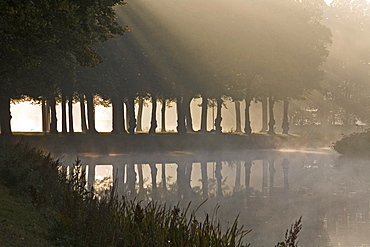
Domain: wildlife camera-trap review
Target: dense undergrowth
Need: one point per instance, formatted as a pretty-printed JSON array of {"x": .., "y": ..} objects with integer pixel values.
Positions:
[
  {"x": 355, "y": 144},
  {"x": 74, "y": 216}
]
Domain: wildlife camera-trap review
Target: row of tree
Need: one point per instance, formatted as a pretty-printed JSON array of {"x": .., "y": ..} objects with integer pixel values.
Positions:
[
  {"x": 43, "y": 42},
  {"x": 263, "y": 51}
]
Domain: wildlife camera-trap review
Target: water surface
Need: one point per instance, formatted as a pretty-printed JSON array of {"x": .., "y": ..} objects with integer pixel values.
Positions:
[{"x": 267, "y": 190}]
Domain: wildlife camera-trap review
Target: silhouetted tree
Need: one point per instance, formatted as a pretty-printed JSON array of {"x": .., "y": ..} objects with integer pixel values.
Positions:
[{"x": 45, "y": 29}]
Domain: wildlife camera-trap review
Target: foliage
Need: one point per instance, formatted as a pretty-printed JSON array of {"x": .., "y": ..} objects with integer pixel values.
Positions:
[
  {"x": 44, "y": 41},
  {"x": 291, "y": 235},
  {"x": 345, "y": 88},
  {"x": 355, "y": 144},
  {"x": 21, "y": 223},
  {"x": 264, "y": 49},
  {"x": 28, "y": 170}
]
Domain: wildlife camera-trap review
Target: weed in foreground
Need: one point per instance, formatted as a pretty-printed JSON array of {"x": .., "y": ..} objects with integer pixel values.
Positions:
[{"x": 291, "y": 236}]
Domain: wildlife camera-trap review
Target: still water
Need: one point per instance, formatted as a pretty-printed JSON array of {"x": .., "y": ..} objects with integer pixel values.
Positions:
[{"x": 267, "y": 190}]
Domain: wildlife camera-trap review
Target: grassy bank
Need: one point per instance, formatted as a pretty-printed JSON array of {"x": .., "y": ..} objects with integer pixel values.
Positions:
[{"x": 21, "y": 223}]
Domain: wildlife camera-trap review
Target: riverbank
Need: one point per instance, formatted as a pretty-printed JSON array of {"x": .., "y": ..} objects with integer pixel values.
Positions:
[
  {"x": 21, "y": 223},
  {"x": 167, "y": 142}
]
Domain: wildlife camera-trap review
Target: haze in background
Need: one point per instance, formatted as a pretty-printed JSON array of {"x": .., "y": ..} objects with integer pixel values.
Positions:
[{"x": 27, "y": 117}]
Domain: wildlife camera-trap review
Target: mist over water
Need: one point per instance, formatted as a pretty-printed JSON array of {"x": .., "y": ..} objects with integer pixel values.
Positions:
[{"x": 267, "y": 190}]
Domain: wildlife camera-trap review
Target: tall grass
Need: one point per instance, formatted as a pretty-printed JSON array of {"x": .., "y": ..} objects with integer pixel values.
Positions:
[{"x": 85, "y": 219}]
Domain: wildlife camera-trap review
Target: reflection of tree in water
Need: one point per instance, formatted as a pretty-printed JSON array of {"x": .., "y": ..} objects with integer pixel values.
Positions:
[
  {"x": 131, "y": 181},
  {"x": 103, "y": 186},
  {"x": 204, "y": 179},
  {"x": 238, "y": 170},
  {"x": 267, "y": 193},
  {"x": 153, "y": 174},
  {"x": 247, "y": 167}
]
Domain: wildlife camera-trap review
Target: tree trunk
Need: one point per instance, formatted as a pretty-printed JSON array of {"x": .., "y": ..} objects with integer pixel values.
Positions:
[
  {"x": 117, "y": 116},
  {"x": 153, "y": 172},
  {"x": 181, "y": 128},
  {"x": 153, "y": 122},
  {"x": 238, "y": 172},
  {"x": 247, "y": 166},
  {"x": 346, "y": 117},
  {"x": 218, "y": 177},
  {"x": 332, "y": 119},
  {"x": 141, "y": 181},
  {"x": 189, "y": 119},
  {"x": 203, "y": 167},
  {"x": 83, "y": 113},
  {"x": 203, "y": 125},
  {"x": 285, "y": 124},
  {"x": 123, "y": 116},
  {"x": 187, "y": 181},
  {"x": 5, "y": 116},
  {"x": 180, "y": 179},
  {"x": 45, "y": 112},
  {"x": 324, "y": 116},
  {"x": 127, "y": 115},
  {"x": 140, "y": 115},
  {"x": 265, "y": 172},
  {"x": 271, "y": 129},
  {"x": 64, "y": 114},
  {"x": 70, "y": 115},
  {"x": 131, "y": 112},
  {"x": 247, "y": 124},
  {"x": 53, "y": 117},
  {"x": 237, "y": 117},
  {"x": 163, "y": 115},
  {"x": 218, "y": 119},
  {"x": 164, "y": 181},
  {"x": 285, "y": 172},
  {"x": 131, "y": 181},
  {"x": 272, "y": 171},
  {"x": 91, "y": 114},
  {"x": 264, "y": 115},
  {"x": 43, "y": 116}
]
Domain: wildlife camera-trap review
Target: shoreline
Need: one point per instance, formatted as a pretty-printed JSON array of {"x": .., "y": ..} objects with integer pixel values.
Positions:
[{"x": 164, "y": 143}]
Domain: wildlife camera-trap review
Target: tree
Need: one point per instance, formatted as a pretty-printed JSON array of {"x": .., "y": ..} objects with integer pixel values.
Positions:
[
  {"x": 140, "y": 114},
  {"x": 297, "y": 53},
  {"x": 33, "y": 30},
  {"x": 345, "y": 86}
]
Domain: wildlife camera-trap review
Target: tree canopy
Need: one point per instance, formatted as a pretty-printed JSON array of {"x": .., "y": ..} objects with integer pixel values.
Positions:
[{"x": 246, "y": 50}]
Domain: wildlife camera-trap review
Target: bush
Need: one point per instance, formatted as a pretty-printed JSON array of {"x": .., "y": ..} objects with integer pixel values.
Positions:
[{"x": 356, "y": 144}]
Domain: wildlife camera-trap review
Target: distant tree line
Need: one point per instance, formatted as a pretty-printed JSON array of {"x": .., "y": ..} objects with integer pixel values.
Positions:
[{"x": 252, "y": 51}]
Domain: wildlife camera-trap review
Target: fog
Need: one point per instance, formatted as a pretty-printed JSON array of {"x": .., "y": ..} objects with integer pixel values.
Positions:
[
  {"x": 267, "y": 190},
  {"x": 204, "y": 43}
]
